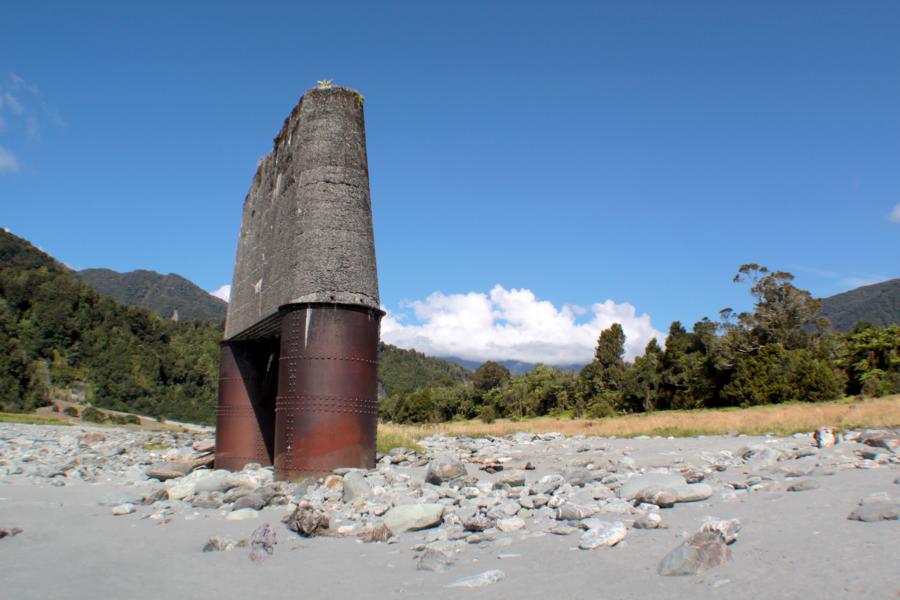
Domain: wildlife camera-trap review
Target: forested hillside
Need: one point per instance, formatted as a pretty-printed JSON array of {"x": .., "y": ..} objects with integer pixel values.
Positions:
[
  {"x": 402, "y": 370},
  {"x": 60, "y": 338},
  {"x": 877, "y": 304},
  {"x": 163, "y": 294}
]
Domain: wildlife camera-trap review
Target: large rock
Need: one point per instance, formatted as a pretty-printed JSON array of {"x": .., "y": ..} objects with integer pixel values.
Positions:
[
  {"x": 262, "y": 542},
  {"x": 803, "y": 485},
  {"x": 662, "y": 486},
  {"x": 603, "y": 533},
  {"x": 574, "y": 512},
  {"x": 881, "y": 439},
  {"x": 514, "y": 478},
  {"x": 480, "y": 580},
  {"x": 871, "y": 510},
  {"x": 760, "y": 456},
  {"x": 727, "y": 528},
  {"x": 212, "y": 481},
  {"x": 251, "y": 500},
  {"x": 700, "y": 552},
  {"x": 413, "y": 517},
  {"x": 308, "y": 521},
  {"x": 435, "y": 559},
  {"x": 477, "y": 523},
  {"x": 511, "y": 524},
  {"x": 445, "y": 469},
  {"x": 355, "y": 487},
  {"x": 242, "y": 514},
  {"x": 123, "y": 509},
  {"x": 219, "y": 544},
  {"x": 548, "y": 484},
  {"x": 179, "y": 489},
  {"x": 578, "y": 476},
  {"x": 168, "y": 469},
  {"x": 650, "y": 520},
  {"x": 378, "y": 533}
]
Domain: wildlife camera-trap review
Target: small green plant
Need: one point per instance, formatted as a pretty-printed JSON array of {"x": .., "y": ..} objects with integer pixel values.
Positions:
[
  {"x": 124, "y": 419},
  {"x": 324, "y": 84},
  {"x": 150, "y": 446},
  {"x": 488, "y": 414},
  {"x": 92, "y": 415}
]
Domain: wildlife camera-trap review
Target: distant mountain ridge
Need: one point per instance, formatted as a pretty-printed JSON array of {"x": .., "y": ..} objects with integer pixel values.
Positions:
[
  {"x": 163, "y": 294},
  {"x": 516, "y": 367},
  {"x": 878, "y": 304}
]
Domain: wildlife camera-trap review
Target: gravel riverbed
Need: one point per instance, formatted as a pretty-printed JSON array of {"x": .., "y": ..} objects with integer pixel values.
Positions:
[{"x": 103, "y": 512}]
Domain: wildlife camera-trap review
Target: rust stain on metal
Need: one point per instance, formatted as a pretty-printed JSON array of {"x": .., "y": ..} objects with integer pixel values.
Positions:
[
  {"x": 327, "y": 404},
  {"x": 244, "y": 417}
]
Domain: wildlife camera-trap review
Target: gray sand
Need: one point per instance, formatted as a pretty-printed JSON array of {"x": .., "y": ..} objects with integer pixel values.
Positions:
[{"x": 792, "y": 544}]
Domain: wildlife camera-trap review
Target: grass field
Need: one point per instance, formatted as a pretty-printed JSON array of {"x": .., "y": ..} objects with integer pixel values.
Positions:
[
  {"x": 781, "y": 419},
  {"x": 30, "y": 419}
]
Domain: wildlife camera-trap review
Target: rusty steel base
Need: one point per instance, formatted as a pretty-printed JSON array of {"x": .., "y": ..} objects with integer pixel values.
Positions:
[
  {"x": 245, "y": 413},
  {"x": 326, "y": 412}
]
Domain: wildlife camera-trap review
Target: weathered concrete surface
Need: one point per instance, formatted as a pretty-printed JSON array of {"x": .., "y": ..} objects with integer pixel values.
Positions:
[{"x": 306, "y": 232}]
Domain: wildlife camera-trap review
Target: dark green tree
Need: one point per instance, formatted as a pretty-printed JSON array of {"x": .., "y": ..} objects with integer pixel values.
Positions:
[
  {"x": 640, "y": 385},
  {"x": 600, "y": 382},
  {"x": 488, "y": 376},
  {"x": 872, "y": 361},
  {"x": 782, "y": 314}
]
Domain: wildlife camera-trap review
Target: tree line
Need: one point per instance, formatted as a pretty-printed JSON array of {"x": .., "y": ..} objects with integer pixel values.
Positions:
[
  {"x": 61, "y": 340},
  {"x": 781, "y": 351}
]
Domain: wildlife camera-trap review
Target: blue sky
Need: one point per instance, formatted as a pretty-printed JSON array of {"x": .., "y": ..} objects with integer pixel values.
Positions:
[{"x": 582, "y": 152}]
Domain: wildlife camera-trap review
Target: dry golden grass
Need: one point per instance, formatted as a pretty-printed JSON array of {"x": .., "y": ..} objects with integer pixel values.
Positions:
[{"x": 783, "y": 419}]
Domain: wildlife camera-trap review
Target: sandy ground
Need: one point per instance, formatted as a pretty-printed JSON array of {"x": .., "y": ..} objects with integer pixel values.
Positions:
[{"x": 792, "y": 545}]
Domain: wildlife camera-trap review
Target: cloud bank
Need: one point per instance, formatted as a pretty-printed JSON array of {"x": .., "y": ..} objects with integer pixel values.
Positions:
[
  {"x": 23, "y": 110},
  {"x": 513, "y": 325},
  {"x": 8, "y": 161},
  {"x": 223, "y": 292},
  {"x": 23, "y": 106},
  {"x": 895, "y": 214}
]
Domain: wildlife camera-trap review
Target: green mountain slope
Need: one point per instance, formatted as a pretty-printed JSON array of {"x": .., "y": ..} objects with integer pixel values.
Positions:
[
  {"x": 163, "y": 294},
  {"x": 60, "y": 338},
  {"x": 878, "y": 304},
  {"x": 403, "y": 371},
  {"x": 18, "y": 253}
]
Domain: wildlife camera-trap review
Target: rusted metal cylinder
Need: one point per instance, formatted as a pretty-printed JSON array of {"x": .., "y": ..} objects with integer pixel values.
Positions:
[
  {"x": 327, "y": 406},
  {"x": 245, "y": 417}
]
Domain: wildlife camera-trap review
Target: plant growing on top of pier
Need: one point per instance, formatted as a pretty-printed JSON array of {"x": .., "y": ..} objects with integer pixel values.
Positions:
[{"x": 324, "y": 84}]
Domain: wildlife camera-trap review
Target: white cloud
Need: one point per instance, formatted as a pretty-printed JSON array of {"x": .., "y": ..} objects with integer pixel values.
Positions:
[
  {"x": 13, "y": 103},
  {"x": 223, "y": 292},
  {"x": 24, "y": 107},
  {"x": 513, "y": 325},
  {"x": 895, "y": 214},
  {"x": 8, "y": 161}
]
